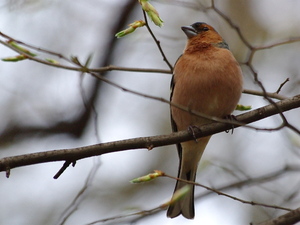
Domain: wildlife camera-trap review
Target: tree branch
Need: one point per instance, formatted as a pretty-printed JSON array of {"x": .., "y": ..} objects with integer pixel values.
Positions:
[
  {"x": 260, "y": 93},
  {"x": 246, "y": 182},
  {"x": 75, "y": 68},
  {"x": 74, "y": 154},
  {"x": 289, "y": 218},
  {"x": 157, "y": 42}
]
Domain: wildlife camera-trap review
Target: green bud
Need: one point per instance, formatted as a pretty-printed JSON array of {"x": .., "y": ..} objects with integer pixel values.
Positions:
[
  {"x": 151, "y": 12},
  {"x": 15, "y": 45},
  {"x": 148, "y": 177},
  {"x": 243, "y": 107},
  {"x": 52, "y": 61},
  {"x": 14, "y": 58}
]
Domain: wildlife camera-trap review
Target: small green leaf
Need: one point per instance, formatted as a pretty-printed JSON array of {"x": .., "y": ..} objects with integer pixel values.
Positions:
[{"x": 243, "y": 107}]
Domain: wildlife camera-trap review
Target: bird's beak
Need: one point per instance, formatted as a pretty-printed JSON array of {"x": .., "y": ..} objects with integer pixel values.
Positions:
[{"x": 189, "y": 31}]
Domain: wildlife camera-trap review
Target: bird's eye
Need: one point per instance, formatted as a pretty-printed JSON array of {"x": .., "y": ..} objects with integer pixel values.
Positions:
[{"x": 205, "y": 28}]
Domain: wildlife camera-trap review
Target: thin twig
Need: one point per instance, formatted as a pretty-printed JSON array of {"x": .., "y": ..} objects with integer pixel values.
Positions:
[
  {"x": 73, "y": 206},
  {"x": 114, "y": 68},
  {"x": 59, "y": 55},
  {"x": 229, "y": 21},
  {"x": 249, "y": 61},
  {"x": 281, "y": 85},
  {"x": 288, "y": 41},
  {"x": 249, "y": 181},
  {"x": 63, "y": 168},
  {"x": 157, "y": 42},
  {"x": 289, "y": 218},
  {"x": 250, "y": 58},
  {"x": 260, "y": 93},
  {"x": 84, "y": 69},
  {"x": 227, "y": 195}
]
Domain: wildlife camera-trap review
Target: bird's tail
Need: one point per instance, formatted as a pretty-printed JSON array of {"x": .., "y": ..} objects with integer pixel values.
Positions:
[
  {"x": 185, "y": 205},
  {"x": 190, "y": 155}
]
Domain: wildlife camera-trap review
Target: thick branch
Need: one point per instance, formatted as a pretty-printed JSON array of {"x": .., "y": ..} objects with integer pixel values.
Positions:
[
  {"x": 287, "y": 219},
  {"x": 75, "y": 154}
]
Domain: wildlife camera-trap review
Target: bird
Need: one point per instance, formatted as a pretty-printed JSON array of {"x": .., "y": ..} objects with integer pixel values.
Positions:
[{"x": 206, "y": 79}]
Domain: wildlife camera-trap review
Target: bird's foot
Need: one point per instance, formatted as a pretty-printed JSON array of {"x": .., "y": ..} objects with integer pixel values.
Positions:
[
  {"x": 192, "y": 129},
  {"x": 231, "y": 118}
]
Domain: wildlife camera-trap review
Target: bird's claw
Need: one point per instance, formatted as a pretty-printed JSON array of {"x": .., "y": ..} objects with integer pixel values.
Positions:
[
  {"x": 231, "y": 118},
  {"x": 192, "y": 129}
]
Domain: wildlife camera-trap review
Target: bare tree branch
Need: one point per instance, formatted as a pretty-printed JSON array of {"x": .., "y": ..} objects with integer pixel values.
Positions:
[
  {"x": 281, "y": 85},
  {"x": 260, "y": 93},
  {"x": 74, "y": 68},
  {"x": 74, "y": 205},
  {"x": 74, "y": 154},
  {"x": 157, "y": 42},
  {"x": 248, "y": 181},
  {"x": 289, "y": 218}
]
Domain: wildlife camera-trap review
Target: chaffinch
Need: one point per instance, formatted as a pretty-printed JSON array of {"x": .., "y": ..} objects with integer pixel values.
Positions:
[{"x": 207, "y": 79}]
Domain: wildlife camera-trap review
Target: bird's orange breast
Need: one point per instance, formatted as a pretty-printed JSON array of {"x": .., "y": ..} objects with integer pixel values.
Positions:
[{"x": 209, "y": 82}]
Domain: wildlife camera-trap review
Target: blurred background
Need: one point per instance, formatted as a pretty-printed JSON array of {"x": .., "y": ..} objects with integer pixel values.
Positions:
[{"x": 46, "y": 108}]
